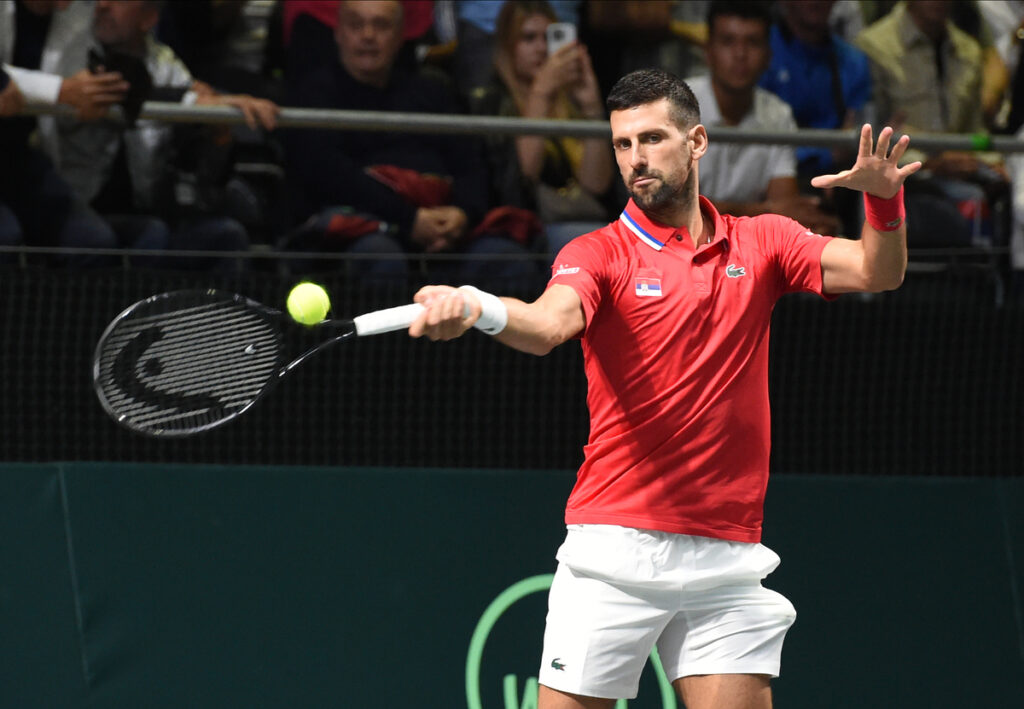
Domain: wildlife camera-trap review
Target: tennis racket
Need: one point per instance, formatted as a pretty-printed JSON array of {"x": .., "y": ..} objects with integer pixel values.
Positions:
[{"x": 180, "y": 363}]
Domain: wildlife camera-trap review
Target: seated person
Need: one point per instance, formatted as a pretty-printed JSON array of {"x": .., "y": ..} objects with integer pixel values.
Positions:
[
  {"x": 120, "y": 167},
  {"x": 747, "y": 180},
  {"x": 827, "y": 83},
  {"x": 11, "y": 103},
  {"x": 408, "y": 193},
  {"x": 39, "y": 207},
  {"x": 476, "y": 24},
  {"x": 927, "y": 75},
  {"x": 562, "y": 179}
]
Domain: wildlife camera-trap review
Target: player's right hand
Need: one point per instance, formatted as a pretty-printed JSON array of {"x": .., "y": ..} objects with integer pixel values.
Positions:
[{"x": 444, "y": 316}]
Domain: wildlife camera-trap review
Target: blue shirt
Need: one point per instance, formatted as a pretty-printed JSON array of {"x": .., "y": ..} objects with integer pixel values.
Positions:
[{"x": 801, "y": 75}]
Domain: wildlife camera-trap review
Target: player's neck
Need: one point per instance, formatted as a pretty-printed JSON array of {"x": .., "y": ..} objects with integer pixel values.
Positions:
[{"x": 686, "y": 215}]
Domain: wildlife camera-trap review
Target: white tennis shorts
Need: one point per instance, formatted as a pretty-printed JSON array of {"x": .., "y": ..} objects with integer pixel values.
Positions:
[{"x": 618, "y": 591}]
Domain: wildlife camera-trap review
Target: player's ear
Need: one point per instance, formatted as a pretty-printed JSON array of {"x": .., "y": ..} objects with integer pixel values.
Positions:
[{"x": 697, "y": 137}]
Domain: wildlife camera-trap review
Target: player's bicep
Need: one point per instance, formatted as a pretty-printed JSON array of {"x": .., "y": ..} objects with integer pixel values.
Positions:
[{"x": 842, "y": 266}]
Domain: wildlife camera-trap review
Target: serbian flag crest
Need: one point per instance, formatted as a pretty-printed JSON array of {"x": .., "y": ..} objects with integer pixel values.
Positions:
[{"x": 648, "y": 287}]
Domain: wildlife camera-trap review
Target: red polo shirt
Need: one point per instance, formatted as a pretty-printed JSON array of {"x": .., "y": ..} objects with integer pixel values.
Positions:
[{"x": 676, "y": 356}]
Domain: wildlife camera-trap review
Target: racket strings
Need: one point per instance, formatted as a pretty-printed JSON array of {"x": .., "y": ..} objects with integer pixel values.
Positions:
[{"x": 183, "y": 367}]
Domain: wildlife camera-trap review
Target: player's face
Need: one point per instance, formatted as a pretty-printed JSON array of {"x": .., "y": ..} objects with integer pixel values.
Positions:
[
  {"x": 369, "y": 36},
  {"x": 531, "y": 48},
  {"x": 655, "y": 156},
  {"x": 737, "y": 52}
]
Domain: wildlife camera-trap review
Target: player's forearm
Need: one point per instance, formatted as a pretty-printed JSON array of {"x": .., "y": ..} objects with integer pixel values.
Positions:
[
  {"x": 534, "y": 328},
  {"x": 884, "y": 242},
  {"x": 885, "y": 257}
]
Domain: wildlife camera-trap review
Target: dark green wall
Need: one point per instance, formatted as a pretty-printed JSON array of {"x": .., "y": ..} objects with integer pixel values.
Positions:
[{"x": 203, "y": 586}]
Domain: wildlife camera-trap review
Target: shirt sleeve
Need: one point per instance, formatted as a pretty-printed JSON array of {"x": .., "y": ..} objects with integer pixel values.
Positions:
[
  {"x": 37, "y": 87},
  {"x": 796, "y": 251},
  {"x": 581, "y": 265}
]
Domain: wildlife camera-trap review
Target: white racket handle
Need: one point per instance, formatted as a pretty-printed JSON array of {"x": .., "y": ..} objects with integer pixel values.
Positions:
[
  {"x": 391, "y": 319},
  {"x": 387, "y": 320}
]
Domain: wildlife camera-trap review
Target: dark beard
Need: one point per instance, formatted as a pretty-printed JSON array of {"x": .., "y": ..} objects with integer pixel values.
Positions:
[{"x": 667, "y": 194}]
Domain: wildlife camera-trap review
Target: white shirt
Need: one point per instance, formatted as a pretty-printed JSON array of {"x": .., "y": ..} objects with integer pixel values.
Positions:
[
  {"x": 741, "y": 173},
  {"x": 68, "y": 27}
]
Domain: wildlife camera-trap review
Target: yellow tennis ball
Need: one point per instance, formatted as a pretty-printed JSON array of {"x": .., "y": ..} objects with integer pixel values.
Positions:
[{"x": 308, "y": 303}]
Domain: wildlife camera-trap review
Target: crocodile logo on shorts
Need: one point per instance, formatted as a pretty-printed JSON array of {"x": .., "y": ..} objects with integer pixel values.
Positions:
[{"x": 558, "y": 665}]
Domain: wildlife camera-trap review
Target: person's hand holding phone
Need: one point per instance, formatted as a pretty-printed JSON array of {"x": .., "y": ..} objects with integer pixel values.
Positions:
[
  {"x": 585, "y": 91},
  {"x": 559, "y": 35},
  {"x": 560, "y": 71}
]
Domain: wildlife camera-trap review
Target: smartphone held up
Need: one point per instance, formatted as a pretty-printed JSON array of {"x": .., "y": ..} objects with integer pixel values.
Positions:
[{"x": 559, "y": 34}]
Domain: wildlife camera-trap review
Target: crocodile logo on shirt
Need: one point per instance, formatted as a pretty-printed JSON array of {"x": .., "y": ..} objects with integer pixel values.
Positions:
[
  {"x": 734, "y": 271},
  {"x": 558, "y": 665}
]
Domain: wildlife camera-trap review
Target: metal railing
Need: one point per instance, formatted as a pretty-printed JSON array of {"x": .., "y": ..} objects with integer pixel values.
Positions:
[{"x": 331, "y": 119}]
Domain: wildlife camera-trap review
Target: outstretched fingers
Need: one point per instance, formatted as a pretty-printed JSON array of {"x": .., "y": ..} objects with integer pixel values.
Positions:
[
  {"x": 883, "y": 143},
  {"x": 866, "y": 141},
  {"x": 826, "y": 181},
  {"x": 899, "y": 149},
  {"x": 909, "y": 169}
]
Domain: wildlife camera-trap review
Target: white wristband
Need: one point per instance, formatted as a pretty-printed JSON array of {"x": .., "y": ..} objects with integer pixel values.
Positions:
[{"x": 493, "y": 316}]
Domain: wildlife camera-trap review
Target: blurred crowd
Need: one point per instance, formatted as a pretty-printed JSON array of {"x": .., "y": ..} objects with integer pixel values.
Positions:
[{"x": 95, "y": 174}]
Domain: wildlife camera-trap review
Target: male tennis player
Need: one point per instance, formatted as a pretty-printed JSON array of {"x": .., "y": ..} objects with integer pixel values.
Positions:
[{"x": 672, "y": 303}]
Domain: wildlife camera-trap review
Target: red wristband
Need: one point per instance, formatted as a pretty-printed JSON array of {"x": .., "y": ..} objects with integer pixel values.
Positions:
[{"x": 884, "y": 214}]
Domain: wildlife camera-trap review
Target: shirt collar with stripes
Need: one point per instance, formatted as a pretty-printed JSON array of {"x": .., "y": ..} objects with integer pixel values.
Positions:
[{"x": 657, "y": 235}]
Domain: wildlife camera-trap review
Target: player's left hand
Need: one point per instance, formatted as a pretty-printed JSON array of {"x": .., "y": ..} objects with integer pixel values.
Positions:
[{"x": 877, "y": 169}]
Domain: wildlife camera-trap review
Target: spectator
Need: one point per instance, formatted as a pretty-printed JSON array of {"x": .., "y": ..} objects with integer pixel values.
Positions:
[
  {"x": 303, "y": 55},
  {"x": 826, "y": 82},
  {"x": 746, "y": 180},
  {"x": 11, "y": 103},
  {"x": 1005, "y": 22},
  {"x": 222, "y": 42},
  {"x": 122, "y": 170},
  {"x": 846, "y": 19},
  {"x": 422, "y": 193},
  {"x": 476, "y": 25},
  {"x": 927, "y": 75},
  {"x": 629, "y": 35},
  {"x": 41, "y": 210},
  {"x": 995, "y": 79},
  {"x": 563, "y": 179}
]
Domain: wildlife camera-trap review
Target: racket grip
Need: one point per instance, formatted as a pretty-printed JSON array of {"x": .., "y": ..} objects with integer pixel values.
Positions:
[
  {"x": 391, "y": 319},
  {"x": 387, "y": 320}
]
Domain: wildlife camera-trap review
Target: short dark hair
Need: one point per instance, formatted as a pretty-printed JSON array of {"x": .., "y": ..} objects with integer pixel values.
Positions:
[
  {"x": 649, "y": 85},
  {"x": 758, "y": 10}
]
